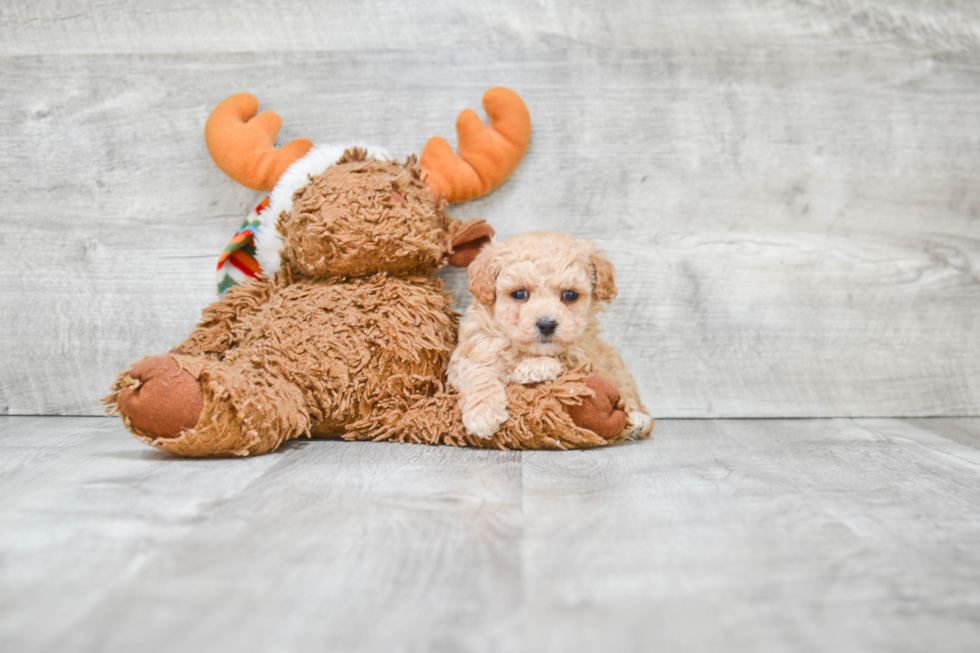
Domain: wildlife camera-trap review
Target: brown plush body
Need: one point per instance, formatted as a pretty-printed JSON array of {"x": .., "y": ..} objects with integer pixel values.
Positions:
[
  {"x": 352, "y": 333},
  {"x": 349, "y": 334}
]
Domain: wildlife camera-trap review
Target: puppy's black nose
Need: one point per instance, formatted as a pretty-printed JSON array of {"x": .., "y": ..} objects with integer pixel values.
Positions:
[{"x": 546, "y": 326}]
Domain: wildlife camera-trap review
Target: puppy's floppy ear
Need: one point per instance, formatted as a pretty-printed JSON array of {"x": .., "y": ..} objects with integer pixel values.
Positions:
[
  {"x": 604, "y": 289},
  {"x": 483, "y": 275}
]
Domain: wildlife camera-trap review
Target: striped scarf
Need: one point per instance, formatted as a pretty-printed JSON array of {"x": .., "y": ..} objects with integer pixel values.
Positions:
[{"x": 237, "y": 263}]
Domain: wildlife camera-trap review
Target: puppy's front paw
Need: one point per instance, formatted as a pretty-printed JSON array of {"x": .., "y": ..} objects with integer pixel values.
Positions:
[
  {"x": 642, "y": 425},
  {"x": 484, "y": 419},
  {"x": 536, "y": 370}
]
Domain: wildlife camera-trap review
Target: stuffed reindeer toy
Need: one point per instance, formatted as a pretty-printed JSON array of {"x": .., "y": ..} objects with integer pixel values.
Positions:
[{"x": 334, "y": 324}]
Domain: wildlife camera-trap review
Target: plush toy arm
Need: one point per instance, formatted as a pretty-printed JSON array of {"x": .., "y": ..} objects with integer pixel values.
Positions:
[
  {"x": 609, "y": 364},
  {"x": 539, "y": 417},
  {"x": 215, "y": 333}
]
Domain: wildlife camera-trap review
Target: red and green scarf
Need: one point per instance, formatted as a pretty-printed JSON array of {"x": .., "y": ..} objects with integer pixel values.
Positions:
[{"x": 237, "y": 262}]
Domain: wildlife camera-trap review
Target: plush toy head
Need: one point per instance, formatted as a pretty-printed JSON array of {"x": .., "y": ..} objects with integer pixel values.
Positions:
[
  {"x": 351, "y": 210},
  {"x": 362, "y": 216}
]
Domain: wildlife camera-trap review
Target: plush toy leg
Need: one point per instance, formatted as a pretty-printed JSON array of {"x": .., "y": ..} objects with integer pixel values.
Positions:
[
  {"x": 540, "y": 418},
  {"x": 192, "y": 406},
  {"x": 161, "y": 397}
]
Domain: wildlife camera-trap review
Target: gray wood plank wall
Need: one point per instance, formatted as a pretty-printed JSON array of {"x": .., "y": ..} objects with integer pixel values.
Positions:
[{"x": 789, "y": 189}]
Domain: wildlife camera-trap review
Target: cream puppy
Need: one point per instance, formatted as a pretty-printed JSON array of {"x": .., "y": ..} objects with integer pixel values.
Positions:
[{"x": 535, "y": 314}]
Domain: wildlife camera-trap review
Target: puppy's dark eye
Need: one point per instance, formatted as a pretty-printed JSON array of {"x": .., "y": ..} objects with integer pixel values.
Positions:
[
  {"x": 569, "y": 295},
  {"x": 519, "y": 295}
]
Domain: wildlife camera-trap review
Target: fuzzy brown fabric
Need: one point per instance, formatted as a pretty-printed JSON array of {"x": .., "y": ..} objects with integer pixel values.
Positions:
[
  {"x": 539, "y": 419},
  {"x": 361, "y": 217},
  {"x": 350, "y": 339}
]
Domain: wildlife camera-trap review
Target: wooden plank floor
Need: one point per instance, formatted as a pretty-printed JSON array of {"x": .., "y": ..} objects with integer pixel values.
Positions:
[{"x": 813, "y": 535}]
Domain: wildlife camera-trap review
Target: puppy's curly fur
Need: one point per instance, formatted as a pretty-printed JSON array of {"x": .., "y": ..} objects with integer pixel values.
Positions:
[{"x": 537, "y": 300}]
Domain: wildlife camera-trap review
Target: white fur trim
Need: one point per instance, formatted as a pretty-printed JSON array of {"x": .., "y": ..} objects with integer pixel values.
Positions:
[{"x": 268, "y": 242}]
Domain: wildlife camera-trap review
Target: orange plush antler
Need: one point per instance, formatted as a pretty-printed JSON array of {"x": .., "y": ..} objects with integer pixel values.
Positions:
[
  {"x": 487, "y": 155},
  {"x": 243, "y": 145}
]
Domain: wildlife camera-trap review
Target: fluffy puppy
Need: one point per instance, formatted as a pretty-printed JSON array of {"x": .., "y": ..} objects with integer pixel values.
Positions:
[{"x": 535, "y": 314}]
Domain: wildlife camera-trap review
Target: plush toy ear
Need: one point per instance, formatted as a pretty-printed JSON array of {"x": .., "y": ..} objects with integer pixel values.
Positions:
[
  {"x": 483, "y": 276},
  {"x": 604, "y": 289},
  {"x": 467, "y": 243}
]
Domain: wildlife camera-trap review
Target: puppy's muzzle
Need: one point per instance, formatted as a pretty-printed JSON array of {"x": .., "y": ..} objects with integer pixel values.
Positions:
[{"x": 546, "y": 327}]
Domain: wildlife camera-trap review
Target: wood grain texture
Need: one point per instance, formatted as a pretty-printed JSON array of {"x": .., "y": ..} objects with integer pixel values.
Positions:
[
  {"x": 816, "y": 535},
  {"x": 756, "y": 535},
  {"x": 334, "y": 547},
  {"x": 788, "y": 189},
  {"x": 965, "y": 431},
  {"x": 114, "y": 26}
]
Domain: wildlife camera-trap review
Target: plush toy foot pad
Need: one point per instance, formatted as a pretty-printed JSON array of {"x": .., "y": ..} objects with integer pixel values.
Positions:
[
  {"x": 599, "y": 413},
  {"x": 164, "y": 399}
]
